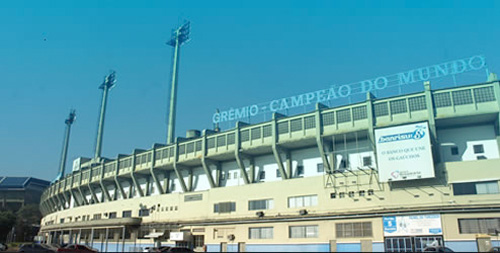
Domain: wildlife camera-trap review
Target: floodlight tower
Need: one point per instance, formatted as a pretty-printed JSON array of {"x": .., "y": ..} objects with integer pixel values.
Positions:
[
  {"x": 179, "y": 37},
  {"x": 109, "y": 82},
  {"x": 62, "y": 166}
]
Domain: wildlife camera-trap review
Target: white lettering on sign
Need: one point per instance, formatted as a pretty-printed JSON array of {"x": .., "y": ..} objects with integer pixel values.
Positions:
[{"x": 473, "y": 63}]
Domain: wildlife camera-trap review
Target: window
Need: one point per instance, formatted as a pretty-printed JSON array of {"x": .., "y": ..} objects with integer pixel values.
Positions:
[
  {"x": 262, "y": 204},
  {"x": 303, "y": 231},
  {"x": 225, "y": 207},
  {"x": 353, "y": 229},
  {"x": 320, "y": 167},
  {"x": 478, "y": 149},
  {"x": 478, "y": 226},
  {"x": 143, "y": 212},
  {"x": 367, "y": 161},
  {"x": 490, "y": 187},
  {"x": 454, "y": 150},
  {"x": 342, "y": 195},
  {"x": 278, "y": 173},
  {"x": 112, "y": 215},
  {"x": 97, "y": 216},
  {"x": 361, "y": 193},
  {"x": 193, "y": 197},
  {"x": 262, "y": 175},
  {"x": 333, "y": 195},
  {"x": 300, "y": 170},
  {"x": 370, "y": 192},
  {"x": 260, "y": 233},
  {"x": 302, "y": 201},
  {"x": 61, "y": 220},
  {"x": 351, "y": 194},
  {"x": 228, "y": 175}
]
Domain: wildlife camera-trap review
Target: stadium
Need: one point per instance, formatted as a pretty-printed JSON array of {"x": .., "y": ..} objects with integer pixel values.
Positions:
[{"x": 387, "y": 174}]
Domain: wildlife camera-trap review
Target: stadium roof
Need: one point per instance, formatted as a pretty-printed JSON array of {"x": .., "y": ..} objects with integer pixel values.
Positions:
[{"x": 21, "y": 182}]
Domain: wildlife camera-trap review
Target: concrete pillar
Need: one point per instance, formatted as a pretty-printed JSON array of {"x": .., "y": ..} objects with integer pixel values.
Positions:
[{"x": 432, "y": 122}]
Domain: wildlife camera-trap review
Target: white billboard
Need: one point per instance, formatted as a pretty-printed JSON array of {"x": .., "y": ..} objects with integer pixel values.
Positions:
[
  {"x": 404, "y": 152},
  {"x": 412, "y": 225}
]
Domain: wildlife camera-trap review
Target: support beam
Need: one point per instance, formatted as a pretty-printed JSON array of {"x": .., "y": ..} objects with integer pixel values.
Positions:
[
  {"x": 371, "y": 120},
  {"x": 177, "y": 167},
  {"x": 204, "y": 161},
  {"x": 66, "y": 200},
  {"x": 496, "y": 88},
  {"x": 432, "y": 122},
  {"x": 237, "y": 153},
  {"x": 73, "y": 196},
  {"x": 152, "y": 172},
  {"x": 252, "y": 170},
  {"x": 92, "y": 194},
  {"x": 103, "y": 186},
  {"x": 117, "y": 182},
  {"x": 319, "y": 139},
  {"x": 84, "y": 199},
  {"x": 190, "y": 179},
  {"x": 166, "y": 181},
  {"x": 277, "y": 150},
  {"x": 134, "y": 180},
  {"x": 60, "y": 205}
]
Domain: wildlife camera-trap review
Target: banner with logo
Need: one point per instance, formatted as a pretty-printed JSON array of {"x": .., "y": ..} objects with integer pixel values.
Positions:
[
  {"x": 404, "y": 152},
  {"x": 412, "y": 225}
]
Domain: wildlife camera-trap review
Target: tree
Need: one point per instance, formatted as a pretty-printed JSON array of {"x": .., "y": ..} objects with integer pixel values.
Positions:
[
  {"x": 28, "y": 222},
  {"x": 7, "y": 221}
]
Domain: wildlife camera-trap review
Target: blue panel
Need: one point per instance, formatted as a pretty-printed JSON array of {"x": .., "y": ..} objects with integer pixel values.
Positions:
[
  {"x": 378, "y": 247},
  {"x": 462, "y": 246},
  {"x": 213, "y": 248},
  {"x": 232, "y": 248},
  {"x": 17, "y": 182},
  {"x": 287, "y": 248},
  {"x": 348, "y": 247}
]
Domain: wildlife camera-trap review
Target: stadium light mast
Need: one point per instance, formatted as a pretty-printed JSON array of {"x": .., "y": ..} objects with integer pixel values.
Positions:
[
  {"x": 179, "y": 37},
  {"x": 109, "y": 82},
  {"x": 62, "y": 166}
]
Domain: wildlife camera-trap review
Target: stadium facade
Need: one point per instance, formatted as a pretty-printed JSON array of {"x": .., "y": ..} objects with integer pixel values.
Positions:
[{"x": 391, "y": 174}]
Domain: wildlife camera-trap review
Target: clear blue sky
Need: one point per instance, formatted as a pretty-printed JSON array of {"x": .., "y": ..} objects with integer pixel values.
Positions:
[{"x": 54, "y": 55}]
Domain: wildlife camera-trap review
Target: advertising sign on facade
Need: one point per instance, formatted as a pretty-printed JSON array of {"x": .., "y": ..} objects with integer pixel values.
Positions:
[
  {"x": 404, "y": 152},
  {"x": 180, "y": 236},
  {"x": 412, "y": 225}
]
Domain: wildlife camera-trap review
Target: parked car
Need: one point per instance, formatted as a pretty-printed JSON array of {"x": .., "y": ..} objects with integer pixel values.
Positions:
[
  {"x": 52, "y": 246},
  {"x": 35, "y": 247},
  {"x": 178, "y": 249},
  {"x": 157, "y": 249},
  {"x": 3, "y": 247},
  {"x": 77, "y": 248},
  {"x": 495, "y": 249},
  {"x": 437, "y": 249}
]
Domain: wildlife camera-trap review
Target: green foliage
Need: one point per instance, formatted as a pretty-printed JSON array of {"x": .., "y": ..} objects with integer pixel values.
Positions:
[
  {"x": 27, "y": 222},
  {"x": 7, "y": 221}
]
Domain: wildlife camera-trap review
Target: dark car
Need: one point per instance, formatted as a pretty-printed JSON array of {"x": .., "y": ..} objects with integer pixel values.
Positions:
[
  {"x": 495, "y": 249},
  {"x": 157, "y": 249},
  {"x": 77, "y": 248},
  {"x": 179, "y": 249},
  {"x": 437, "y": 249},
  {"x": 35, "y": 247}
]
